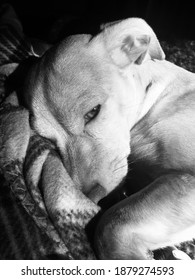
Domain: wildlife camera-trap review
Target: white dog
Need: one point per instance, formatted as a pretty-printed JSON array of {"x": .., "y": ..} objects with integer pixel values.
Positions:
[{"x": 87, "y": 94}]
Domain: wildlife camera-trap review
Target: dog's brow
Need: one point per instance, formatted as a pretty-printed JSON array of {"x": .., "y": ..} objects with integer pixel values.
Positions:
[{"x": 88, "y": 97}]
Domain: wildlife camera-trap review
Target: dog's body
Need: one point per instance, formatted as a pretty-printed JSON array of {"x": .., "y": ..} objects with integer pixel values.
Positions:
[
  {"x": 162, "y": 146},
  {"x": 87, "y": 94}
]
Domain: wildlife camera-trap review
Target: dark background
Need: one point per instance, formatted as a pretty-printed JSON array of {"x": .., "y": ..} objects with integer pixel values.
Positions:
[{"x": 169, "y": 19}]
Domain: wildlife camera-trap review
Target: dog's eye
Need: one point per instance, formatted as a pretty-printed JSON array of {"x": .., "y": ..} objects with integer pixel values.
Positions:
[{"x": 92, "y": 114}]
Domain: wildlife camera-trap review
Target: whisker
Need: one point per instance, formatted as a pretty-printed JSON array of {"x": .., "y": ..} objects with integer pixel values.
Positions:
[
  {"x": 120, "y": 167},
  {"x": 125, "y": 157}
]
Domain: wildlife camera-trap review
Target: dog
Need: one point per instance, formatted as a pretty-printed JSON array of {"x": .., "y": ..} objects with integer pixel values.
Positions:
[
  {"x": 78, "y": 93},
  {"x": 103, "y": 98},
  {"x": 162, "y": 146}
]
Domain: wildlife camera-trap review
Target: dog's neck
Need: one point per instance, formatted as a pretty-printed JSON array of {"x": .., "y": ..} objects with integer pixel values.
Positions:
[{"x": 159, "y": 78}]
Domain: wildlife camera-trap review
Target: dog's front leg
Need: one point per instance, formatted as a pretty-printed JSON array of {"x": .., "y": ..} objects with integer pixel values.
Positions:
[{"x": 162, "y": 214}]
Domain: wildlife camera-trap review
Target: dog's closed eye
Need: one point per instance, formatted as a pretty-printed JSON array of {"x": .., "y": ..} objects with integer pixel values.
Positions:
[{"x": 92, "y": 114}]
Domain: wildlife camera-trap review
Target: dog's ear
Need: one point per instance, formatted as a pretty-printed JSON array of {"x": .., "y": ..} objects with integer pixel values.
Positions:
[{"x": 131, "y": 41}]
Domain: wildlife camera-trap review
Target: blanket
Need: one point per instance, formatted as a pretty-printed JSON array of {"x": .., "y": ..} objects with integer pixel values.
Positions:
[{"x": 31, "y": 171}]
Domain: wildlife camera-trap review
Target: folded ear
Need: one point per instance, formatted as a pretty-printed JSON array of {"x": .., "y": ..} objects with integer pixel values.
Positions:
[{"x": 131, "y": 41}]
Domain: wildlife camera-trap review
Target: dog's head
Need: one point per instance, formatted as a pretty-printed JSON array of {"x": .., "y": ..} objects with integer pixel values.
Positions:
[{"x": 82, "y": 98}]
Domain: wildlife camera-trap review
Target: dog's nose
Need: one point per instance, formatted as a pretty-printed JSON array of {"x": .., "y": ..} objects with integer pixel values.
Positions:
[{"x": 96, "y": 193}]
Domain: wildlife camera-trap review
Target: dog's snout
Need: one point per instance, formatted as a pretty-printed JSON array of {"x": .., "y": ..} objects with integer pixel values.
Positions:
[
  {"x": 120, "y": 163},
  {"x": 96, "y": 193}
]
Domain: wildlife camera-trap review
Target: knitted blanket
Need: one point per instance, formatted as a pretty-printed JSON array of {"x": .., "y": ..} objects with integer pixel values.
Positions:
[{"x": 31, "y": 227}]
